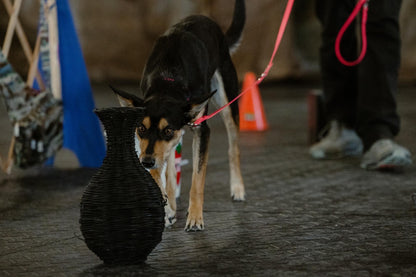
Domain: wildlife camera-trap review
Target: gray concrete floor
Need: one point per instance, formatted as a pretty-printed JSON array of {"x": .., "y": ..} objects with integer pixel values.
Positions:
[{"x": 301, "y": 218}]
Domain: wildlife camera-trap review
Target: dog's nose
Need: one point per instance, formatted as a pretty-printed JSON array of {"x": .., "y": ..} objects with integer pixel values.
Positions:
[{"x": 148, "y": 162}]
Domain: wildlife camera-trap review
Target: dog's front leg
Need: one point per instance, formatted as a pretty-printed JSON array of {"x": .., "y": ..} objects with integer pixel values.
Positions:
[
  {"x": 157, "y": 176},
  {"x": 170, "y": 209},
  {"x": 195, "y": 221}
]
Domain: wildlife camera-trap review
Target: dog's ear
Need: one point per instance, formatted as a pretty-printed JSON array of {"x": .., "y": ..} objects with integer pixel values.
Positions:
[
  {"x": 127, "y": 99},
  {"x": 198, "y": 104}
]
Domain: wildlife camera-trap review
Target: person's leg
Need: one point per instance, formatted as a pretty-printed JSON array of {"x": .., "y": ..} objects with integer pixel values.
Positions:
[
  {"x": 378, "y": 74},
  {"x": 377, "y": 119},
  {"x": 339, "y": 83}
]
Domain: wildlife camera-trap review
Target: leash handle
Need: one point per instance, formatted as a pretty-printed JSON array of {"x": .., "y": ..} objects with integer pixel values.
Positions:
[
  {"x": 362, "y": 4},
  {"x": 279, "y": 37}
]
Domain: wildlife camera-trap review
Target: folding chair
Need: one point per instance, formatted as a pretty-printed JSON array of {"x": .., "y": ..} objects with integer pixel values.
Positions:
[{"x": 36, "y": 115}]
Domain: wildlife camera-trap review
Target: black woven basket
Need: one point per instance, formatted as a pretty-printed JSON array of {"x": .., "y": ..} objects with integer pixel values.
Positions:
[{"x": 122, "y": 208}]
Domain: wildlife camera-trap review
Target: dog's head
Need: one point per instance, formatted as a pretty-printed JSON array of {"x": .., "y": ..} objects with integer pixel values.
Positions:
[{"x": 161, "y": 128}]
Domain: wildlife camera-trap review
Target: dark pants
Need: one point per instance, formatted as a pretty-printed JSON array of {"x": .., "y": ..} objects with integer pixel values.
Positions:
[{"x": 362, "y": 97}]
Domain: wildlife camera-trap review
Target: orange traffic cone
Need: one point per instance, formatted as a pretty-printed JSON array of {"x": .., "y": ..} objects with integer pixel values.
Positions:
[{"x": 252, "y": 117}]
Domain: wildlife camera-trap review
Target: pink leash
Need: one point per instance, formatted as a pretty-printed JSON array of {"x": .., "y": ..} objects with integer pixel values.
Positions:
[
  {"x": 362, "y": 4},
  {"x": 266, "y": 71}
]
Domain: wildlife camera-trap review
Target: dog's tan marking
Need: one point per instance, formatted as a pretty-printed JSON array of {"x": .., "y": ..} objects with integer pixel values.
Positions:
[
  {"x": 195, "y": 220},
  {"x": 171, "y": 190},
  {"x": 124, "y": 102},
  {"x": 163, "y": 123},
  {"x": 169, "y": 211},
  {"x": 162, "y": 149},
  {"x": 146, "y": 122},
  {"x": 164, "y": 152},
  {"x": 144, "y": 143}
]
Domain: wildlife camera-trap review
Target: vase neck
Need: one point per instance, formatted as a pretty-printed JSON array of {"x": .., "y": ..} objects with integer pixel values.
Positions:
[{"x": 120, "y": 124}]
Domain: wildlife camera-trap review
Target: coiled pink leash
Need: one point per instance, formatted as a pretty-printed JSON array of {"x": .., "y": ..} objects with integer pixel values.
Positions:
[{"x": 362, "y": 4}]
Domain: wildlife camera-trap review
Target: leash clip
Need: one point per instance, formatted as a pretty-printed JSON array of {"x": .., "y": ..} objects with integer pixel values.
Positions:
[{"x": 193, "y": 125}]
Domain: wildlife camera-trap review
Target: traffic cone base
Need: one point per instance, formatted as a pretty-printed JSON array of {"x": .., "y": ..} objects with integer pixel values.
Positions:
[{"x": 252, "y": 116}]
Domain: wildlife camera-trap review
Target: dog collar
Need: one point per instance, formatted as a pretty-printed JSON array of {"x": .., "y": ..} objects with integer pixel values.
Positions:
[{"x": 168, "y": 79}]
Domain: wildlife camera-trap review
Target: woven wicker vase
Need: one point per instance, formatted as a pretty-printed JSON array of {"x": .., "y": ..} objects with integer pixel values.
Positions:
[{"x": 122, "y": 209}]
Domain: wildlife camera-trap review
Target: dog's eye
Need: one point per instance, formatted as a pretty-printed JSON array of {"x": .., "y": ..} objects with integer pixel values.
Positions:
[
  {"x": 141, "y": 129},
  {"x": 168, "y": 132}
]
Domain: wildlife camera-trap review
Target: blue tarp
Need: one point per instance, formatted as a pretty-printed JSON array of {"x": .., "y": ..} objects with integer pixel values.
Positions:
[{"x": 82, "y": 131}]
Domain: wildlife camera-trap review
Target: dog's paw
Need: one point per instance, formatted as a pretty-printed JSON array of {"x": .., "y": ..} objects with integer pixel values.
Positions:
[
  {"x": 194, "y": 223},
  {"x": 170, "y": 216},
  {"x": 238, "y": 193},
  {"x": 169, "y": 221}
]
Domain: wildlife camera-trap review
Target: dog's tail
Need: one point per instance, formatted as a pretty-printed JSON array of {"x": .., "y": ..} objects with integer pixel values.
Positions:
[{"x": 233, "y": 34}]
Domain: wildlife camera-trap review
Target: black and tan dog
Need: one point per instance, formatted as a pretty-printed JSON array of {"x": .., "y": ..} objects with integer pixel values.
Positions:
[{"x": 189, "y": 65}]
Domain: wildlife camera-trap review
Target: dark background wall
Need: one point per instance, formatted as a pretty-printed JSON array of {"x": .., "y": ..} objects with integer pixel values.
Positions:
[{"x": 117, "y": 35}]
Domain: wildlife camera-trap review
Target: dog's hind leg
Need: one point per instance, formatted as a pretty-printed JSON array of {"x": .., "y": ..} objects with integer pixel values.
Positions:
[
  {"x": 195, "y": 221},
  {"x": 230, "y": 120},
  {"x": 170, "y": 208}
]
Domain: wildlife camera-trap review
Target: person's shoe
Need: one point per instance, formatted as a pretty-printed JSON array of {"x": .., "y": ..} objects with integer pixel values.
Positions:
[
  {"x": 339, "y": 142},
  {"x": 386, "y": 154}
]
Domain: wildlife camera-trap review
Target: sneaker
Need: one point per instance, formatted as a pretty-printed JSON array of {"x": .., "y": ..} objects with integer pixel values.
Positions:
[
  {"x": 339, "y": 142},
  {"x": 386, "y": 154}
]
